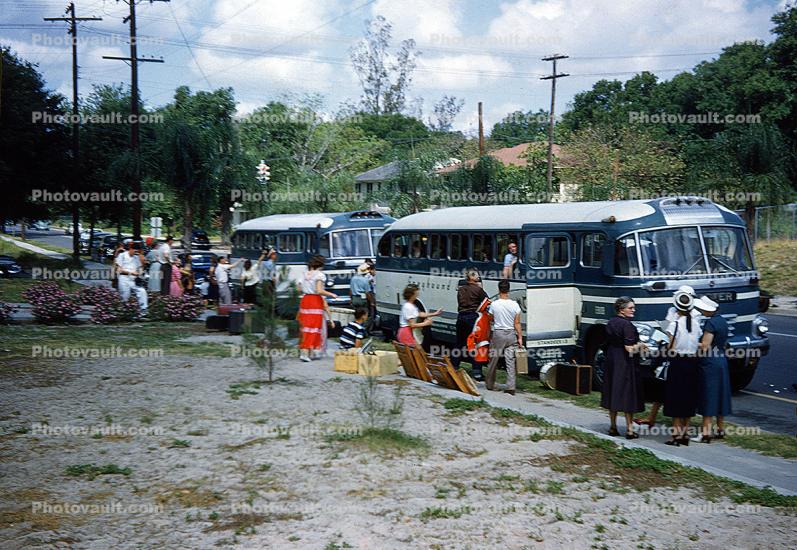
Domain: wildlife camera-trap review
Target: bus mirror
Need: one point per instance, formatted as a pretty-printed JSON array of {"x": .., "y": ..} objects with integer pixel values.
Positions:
[{"x": 607, "y": 260}]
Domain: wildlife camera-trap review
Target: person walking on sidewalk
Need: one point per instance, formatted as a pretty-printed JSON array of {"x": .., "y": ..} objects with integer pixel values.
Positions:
[
  {"x": 222, "y": 275},
  {"x": 507, "y": 336},
  {"x": 715, "y": 382},
  {"x": 622, "y": 381}
]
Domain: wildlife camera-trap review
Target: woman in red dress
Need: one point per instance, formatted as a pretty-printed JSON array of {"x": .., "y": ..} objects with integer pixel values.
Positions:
[{"x": 313, "y": 310}]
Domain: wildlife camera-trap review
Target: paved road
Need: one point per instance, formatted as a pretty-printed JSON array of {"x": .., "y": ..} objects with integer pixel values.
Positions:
[{"x": 769, "y": 401}]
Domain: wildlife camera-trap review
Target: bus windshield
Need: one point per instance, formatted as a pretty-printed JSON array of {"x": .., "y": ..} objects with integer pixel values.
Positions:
[
  {"x": 674, "y": 251},
  {"x": 351, "y": 244},
  {"x": 727, "y": 249}
]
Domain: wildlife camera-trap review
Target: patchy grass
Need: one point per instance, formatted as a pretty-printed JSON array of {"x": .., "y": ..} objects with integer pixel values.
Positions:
[
  {"x": 437, "y": 512},
  {"x": 777, "y": 262},
  {"x": 766, "y": 443},
  {"x": 90, "y": 471},
  {"x": 244, "y": 524},
  {"x": 381, "y": 440},
  {"x": 189, "y": 497},
  {"x": 20, "y": 339},
  {"x": 623, "y": 468}
]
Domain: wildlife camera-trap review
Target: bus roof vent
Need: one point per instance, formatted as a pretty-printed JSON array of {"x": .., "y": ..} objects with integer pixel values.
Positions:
[{"x": 690, "y": 209}]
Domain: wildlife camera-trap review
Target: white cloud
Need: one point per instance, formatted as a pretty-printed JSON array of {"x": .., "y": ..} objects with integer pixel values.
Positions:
[{"x": 427, "y": 21}]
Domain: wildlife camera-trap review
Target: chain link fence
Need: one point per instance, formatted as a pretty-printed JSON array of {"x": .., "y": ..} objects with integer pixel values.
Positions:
[{"x": 774, "y": 222}]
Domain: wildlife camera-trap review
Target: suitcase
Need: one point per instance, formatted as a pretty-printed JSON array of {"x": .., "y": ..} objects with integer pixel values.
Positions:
[
  {"x": 574, "y": 379},
  {"x": 236, "y": 322},
  {"x": 227, "y": 308},
  {"x": 217, "y": 322},
  {"x": 335, "y": 331},
  {"x": 521, "y": 361}
]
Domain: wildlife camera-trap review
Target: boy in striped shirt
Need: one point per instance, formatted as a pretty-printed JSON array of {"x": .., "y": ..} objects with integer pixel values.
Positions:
[{"x": 354, "y": 333}]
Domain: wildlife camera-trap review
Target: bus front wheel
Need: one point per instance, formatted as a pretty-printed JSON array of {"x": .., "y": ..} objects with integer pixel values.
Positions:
[{"x": 740, "y": 375}]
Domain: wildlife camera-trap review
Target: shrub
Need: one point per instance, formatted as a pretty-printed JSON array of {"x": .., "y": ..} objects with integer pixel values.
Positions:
[
  {"x": 50, "y": 303},
  {"x": 95, "y": 295},
  {"x": 176, "y": 308},
  {"x": 109, "y": 307},
  {"x": 5, "y": 313}
]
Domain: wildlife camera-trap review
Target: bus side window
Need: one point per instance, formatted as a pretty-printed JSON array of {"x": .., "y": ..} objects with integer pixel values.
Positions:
[
  {"x": 400, "y": 246},
  {"x": 502, "y": 242},
  {"x": 459, "y": 247},
  {"x": 482, "y": 247},
  {"x": 592, "y": 249},
  {"x": 438, "y": 246},
  {"x": 384, "y": 246},
  {"x": 418, "y": 245},
  {"x": 290, "y": 242},
  {"x": 550, "y": 251}
]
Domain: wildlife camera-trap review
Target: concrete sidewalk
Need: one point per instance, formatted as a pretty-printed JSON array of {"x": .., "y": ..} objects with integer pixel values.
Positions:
[{"x": 717, "y": 458}]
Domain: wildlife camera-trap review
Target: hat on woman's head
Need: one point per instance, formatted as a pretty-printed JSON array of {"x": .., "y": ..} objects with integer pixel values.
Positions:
[
  {"x": 363, "y": 268},
  {"x": 704, "y": 303},
  {"x": 683, "y": 301},
  {"x": 688, "y": 289}
]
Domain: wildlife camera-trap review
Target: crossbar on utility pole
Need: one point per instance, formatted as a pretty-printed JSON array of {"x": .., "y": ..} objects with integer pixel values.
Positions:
[
  {"x": 73, "y": 20},
  {"x": 552, "y": 77},
  {"x": 134, "y": 60}
]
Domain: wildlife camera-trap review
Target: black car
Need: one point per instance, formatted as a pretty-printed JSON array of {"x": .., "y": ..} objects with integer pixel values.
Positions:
[
  {"x": 200, "y": 264},
  {"x": 9, "y": 267},
  {"x": 199, "y": 240},
  {"x": 105, "y": 247},
  {"x": 84, "y": 243}
]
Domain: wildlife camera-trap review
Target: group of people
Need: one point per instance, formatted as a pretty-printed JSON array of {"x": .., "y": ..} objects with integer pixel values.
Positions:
[
  {"x": 693, "y": 378},
  {"x": 486, "y": 330},
  {"x": 170, "y": 276}
]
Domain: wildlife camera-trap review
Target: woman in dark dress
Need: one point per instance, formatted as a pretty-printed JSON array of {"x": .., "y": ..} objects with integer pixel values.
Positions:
[
  {"x": 715, "y": 382},
  {"x": 622, "y": 382}
]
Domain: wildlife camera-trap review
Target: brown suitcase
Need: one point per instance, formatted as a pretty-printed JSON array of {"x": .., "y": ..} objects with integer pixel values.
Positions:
[{"x": 574, "y": 379}]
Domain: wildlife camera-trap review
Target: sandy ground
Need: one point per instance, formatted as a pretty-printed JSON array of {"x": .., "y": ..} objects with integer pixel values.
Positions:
[{"x": 259, "y": 471}]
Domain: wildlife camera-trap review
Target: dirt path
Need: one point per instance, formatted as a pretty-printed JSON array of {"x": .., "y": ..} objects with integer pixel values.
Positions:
[{"x": 187, "y": 465}]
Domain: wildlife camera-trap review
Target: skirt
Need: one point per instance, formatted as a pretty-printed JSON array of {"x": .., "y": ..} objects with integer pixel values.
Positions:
[
  {"x": 715, "y": 387},
  {"x": 405, "y": 336},
  {"x": 250, "y": 294},
  {"x": 312, "y": 322},
  {"x": 682, "y": 388},
  {"x": 154, "y": 283}
]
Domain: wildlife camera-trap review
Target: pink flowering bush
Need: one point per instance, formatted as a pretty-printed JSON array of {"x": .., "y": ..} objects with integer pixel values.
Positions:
[
  {"x": 108, "y": 305},
  {"x": 176, "y": 308},
  {"x": 5, "y": 313},
  {"x": 95, "y": 295},
  {"x": 50, "y": 303}
]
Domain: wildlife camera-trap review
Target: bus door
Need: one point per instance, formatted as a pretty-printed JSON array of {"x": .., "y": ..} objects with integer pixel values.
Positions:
[{"x": 552, "y": 300}]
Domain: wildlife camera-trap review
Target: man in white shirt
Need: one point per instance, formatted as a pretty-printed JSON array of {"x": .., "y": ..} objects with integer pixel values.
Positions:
[
  {"x": 165, "y": 259},
  {"x": 222, "y": 274},
  {"x": 128, "y": 267},
  {"x": 507, "y": 335}
]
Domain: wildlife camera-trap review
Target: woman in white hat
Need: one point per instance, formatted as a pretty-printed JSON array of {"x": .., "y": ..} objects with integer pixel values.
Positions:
[
  {"x": 715, "y": 382},
  {"x": 681, "y": 387}
]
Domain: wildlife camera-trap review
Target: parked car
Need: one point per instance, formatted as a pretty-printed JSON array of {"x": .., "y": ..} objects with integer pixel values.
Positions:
[
  {"x": 9, "y": 267},
  {"x": 68, "y": 229},
  {"x": 84, "y": 242},
  {"x": 40, "y": 225},
  {"x": 105, "y": 247},
  {"x": 199, "y": 240}
]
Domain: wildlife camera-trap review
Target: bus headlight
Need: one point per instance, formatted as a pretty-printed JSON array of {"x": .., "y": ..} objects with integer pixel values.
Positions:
[{"x": 760, "y": 325}]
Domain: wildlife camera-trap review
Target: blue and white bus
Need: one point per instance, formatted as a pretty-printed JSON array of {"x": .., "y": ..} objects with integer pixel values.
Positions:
[
  {"x": 575, "y": 259},
  {"x": 345, "y": 239}
]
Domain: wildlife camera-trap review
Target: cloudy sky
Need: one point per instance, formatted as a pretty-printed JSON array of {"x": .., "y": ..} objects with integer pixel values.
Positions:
[{"x": 478, "y": 50}]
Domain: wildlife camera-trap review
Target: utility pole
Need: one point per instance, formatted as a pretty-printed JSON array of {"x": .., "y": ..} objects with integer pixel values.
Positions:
[
  {"x": 134, "y": 60},
  {"x": 552, "y": 77},
  {"x": 481, "y": 131},
  {"x": 73, "y": 19}
]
